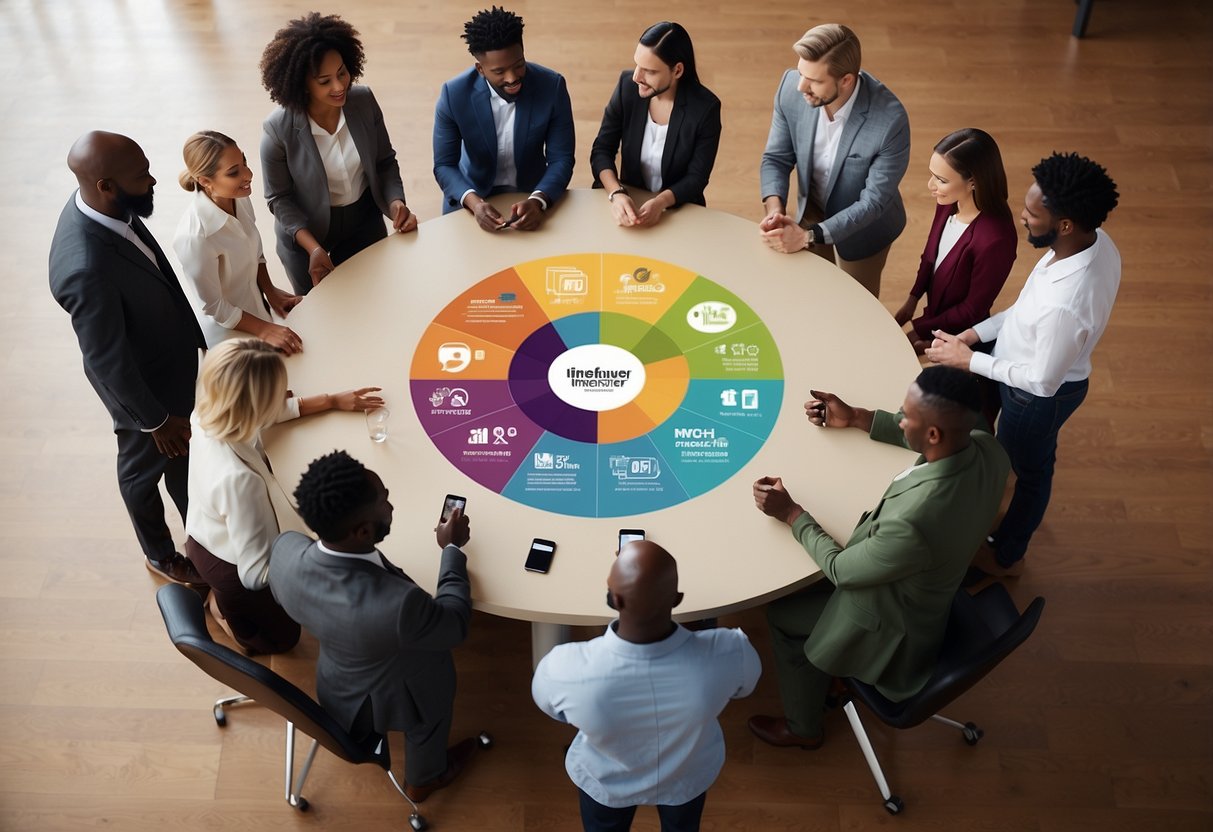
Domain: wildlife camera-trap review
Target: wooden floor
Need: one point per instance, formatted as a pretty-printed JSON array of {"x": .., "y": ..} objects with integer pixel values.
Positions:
[{"x": 1103, "y": 721}]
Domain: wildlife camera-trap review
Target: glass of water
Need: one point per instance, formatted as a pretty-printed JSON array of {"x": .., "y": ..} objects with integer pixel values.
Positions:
[{"x": 376, "y": 423}]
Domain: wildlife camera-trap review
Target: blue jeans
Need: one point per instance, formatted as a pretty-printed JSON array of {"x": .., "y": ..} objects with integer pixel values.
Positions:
[
  {"x": 598, "y": 818},
  {"x": 1027, "y": 429}
]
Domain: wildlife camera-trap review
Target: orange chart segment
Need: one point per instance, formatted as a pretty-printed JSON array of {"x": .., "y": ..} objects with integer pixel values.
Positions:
[
  {"x": 564, "y": 285},
  {"x": 641, "y": 287},
  {"x": 664, "y": 389},
  {"x": 499, "y": 309},
  {"x": 447, "y": 354},
  {"x": 624, "y": 423}
]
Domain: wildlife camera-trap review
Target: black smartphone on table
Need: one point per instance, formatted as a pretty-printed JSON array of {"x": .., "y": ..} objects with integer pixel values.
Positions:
[
  {"x": 539, "y": 558},
  {"x": 452, "y": 502},
  {"x": 626, "y": 536}
]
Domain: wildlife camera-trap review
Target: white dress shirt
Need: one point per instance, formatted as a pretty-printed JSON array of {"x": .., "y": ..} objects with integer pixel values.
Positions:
[
  {"x": 1047, "y": 337},
  {"x": 220, "y": 255},
  {"x": 342, "y": 164},
  {"x": 652, "y": 148},
  {"x": 120, "y": 227},
  {"x": 825, "y": 147},
  {"x": 952, "y": 229}
]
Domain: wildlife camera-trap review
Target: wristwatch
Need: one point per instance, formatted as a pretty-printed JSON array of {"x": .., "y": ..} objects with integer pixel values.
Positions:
[
  {"x": 814, "y": 236},
  {"x": 620, "y": 190}
]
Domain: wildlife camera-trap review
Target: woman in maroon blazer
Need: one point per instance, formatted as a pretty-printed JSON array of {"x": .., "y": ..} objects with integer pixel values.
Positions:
[{"x": 972, "y": 243}]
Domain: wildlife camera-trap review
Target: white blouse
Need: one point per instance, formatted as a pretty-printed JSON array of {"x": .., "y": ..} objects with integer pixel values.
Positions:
[
  {"x": 952, "y": 230},
  {"x": 342, "y": 164},
  {"x": 651, "y": 150},
  {"x": 220, "y": 255}
]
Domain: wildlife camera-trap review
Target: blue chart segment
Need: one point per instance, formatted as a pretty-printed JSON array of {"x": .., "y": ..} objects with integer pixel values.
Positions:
[{"x": 597, "y": 385}]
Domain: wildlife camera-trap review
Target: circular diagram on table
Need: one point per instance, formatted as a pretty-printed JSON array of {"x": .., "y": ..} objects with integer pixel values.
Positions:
[{"x": 597, "y": 385}]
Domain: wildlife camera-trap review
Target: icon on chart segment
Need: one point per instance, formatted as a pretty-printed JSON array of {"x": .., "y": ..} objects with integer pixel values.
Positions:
[
  {"x": 454, "y": 396},
  {"x": 565, "y": 281},
  {"x": 455, "y": 356},
  {"x": 478, "y": 436},
  {"x": 711, "y": 316},
  {"x": 507, "y": 297},
  {"x": 500, "y": 434},
  {"x": 641, "y": 280},
  {"x": 635, "y": 467},
  {"x": 749, "y": 399},
  {"x": 728, "y": 398},
  {"x": 545, "y": 461},
  {"x": 722, "y": 349},
  {"x": 741, "y": 349}
]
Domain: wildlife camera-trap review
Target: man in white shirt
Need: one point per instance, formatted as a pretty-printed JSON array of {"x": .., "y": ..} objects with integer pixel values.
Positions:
[
  {"x": 848, "y": 137},
  {"x": 645, "y": 697},
  {"x": 504, "y": 125},
  {"x": 1043, "y": 343}
]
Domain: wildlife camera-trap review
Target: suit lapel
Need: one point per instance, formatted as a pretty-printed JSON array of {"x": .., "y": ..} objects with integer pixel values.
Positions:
[
  {"x": 677, "y": 116},
  {"x": 360, "y": 133},
  {"x": 482, "y": 114},
  {"x": 523, "y": 112},
  {"x": 859, "y": 114}
]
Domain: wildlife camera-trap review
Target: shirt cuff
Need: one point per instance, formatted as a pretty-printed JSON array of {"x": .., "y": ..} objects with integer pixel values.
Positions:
[
  {"x": 153, "y": 430},
  {"x": 982, "y": 364},
  {"x": 823, "y": 236},
  {"x": 536, "y": 195},
  {"x": 464, "y": 196}
]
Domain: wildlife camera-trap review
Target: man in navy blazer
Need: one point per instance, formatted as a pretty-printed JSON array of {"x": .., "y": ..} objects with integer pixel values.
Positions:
[
  {"x": 137, "y": 333},
  {"x": 848, "y": 137},
  {"x": 504, "y": 125}
]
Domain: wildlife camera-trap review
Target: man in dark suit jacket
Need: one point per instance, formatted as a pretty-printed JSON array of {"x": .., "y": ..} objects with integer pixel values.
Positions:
[
  {"x": 880, "y": 614},
  {"x": 848, "y": 137},
  {"x": 385, "y": 644},
  {"x": 504, "y": 125},
  {"x": 137, "y": 332}
]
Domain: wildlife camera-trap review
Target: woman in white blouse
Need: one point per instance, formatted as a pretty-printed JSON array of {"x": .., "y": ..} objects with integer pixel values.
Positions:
[
  {"x": 236, "y": 506},
  {"x": 219, "y": 247}
]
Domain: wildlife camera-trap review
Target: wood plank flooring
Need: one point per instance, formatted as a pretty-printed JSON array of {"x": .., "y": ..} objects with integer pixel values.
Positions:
[{"x": 1103, "y": 721}]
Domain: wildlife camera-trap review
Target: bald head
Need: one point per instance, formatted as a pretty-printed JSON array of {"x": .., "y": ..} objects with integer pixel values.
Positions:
[
  {"x": 113, "y": 173},
  {"x": 644, "y": 582}
]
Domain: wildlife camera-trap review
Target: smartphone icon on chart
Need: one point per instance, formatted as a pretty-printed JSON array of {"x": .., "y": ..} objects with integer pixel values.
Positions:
[
  {"x": 452, "y": 502},
  {"x": 626, "y": 536},
  {"x": 539, "y": 559}
]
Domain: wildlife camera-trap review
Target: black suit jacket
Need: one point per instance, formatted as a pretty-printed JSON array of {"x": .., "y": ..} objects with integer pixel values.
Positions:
[
  {"x": 137, "y": 332},
  {"x": 692, "y": 139}
]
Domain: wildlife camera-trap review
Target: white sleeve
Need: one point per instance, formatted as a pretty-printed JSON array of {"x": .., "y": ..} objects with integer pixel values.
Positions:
[
  {"x": 200, "y": 263},
  {"x": 244, "y": 506}
]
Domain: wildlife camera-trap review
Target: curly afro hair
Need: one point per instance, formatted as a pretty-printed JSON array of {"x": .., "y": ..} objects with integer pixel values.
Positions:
[
  {"x": 296, "y": 51},
  {"x": 331, "y": 492},
  {"x": 492, "y": 29},
  {"x": 1076, "y": 188}
]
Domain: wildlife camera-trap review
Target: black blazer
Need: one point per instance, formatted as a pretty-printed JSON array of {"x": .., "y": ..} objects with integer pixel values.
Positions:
[
  {"x": 691, "y": 141},
  {"x": 137, "y": 332}
]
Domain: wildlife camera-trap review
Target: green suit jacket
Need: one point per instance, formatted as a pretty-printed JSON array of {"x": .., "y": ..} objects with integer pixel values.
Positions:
[{"x": 896, "y": 576}]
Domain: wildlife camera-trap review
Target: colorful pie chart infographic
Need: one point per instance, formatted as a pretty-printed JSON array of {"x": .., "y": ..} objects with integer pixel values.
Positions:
[{"x": 597, "y": 385}]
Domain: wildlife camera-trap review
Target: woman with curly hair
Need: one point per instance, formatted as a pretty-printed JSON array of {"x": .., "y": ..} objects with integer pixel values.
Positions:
[{"x": 330, "y": 170}]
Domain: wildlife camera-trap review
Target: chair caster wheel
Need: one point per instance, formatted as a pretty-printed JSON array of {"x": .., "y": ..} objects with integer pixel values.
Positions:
[
  {"x": 972, "y": 733},
  {"x": 302, "y": 805},
  {"x": 485, "y": 740},
  {"x": 417, "y": 822},
  {"x": 220, "y": 716},
  {"x": 894, "y": 805}
]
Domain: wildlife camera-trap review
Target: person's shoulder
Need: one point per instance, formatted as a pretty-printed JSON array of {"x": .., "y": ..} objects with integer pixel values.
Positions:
[
  {"x": 702, "y": 96},
  {"x": 293, "y": 542},
  {"x": 462, "y": 83},
  {"x": 718, "y": 639},
  {"x": 544, "y": 73},
  {"x": 878, "y": 95},
  {"x": 279, "y": 119}
]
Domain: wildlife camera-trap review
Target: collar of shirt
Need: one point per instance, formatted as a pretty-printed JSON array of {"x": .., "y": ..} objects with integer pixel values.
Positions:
[
  {"x": 910, "y": 470},
  {"x": 844, "y": 112},
  {"x": 211, "y": 217},
  {"x": 1056, "y": 270},
  {"x": 651, "y": 650},
  {"x": 119, "y": 227},
  {"x": 317, "y": 130},
  {"x": 370, "y": 557}
]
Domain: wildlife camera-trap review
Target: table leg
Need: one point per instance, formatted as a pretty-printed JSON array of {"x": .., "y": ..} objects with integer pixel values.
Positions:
[{"x": 546, "y": 636}]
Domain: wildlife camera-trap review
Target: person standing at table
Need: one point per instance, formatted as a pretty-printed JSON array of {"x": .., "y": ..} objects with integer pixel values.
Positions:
[
  {"x": 330, "y": 169},
  {"x": 881, "y": 613},
  {"x": 504, "y": 125},
  {"x": 237, "y": 506},
  {"x": 219, "y": 247},
  {"x": 137, "y": 333},
  {"x": 1043, "y": 343},
  {"x": 645, "y": 698},
  {"x": 385, "y": 644},
  {"x": 668, "y": 124},
  {"x": 848, "y": 138},
  {"x": 971, "y": 244}
]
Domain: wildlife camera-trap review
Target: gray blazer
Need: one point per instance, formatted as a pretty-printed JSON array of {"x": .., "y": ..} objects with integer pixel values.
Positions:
[
  {"x": 863, "y": 207},
  {"x": 382, "y": 637},
  {"x": 296, "y": 186}
]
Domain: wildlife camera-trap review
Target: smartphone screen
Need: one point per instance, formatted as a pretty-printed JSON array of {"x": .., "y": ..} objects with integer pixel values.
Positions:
[
  {"x": 626, "y": 536},
  {"x": 539, "y": 559},
  {"x": 452, "y": 501}
]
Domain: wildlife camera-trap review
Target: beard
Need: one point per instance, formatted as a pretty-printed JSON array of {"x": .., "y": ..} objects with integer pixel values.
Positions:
[
  {"x": 139, "y": 205},
  {"x": 1043, "y": 240}
]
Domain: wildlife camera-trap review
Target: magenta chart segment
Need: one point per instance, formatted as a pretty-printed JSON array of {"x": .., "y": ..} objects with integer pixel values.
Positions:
[{"x": 597, "y": 385}]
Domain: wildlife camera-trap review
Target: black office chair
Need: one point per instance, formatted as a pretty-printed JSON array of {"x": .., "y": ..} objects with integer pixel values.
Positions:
[
  {"x": 983, "y": 629},
  {"x": 182, "y": 611}
]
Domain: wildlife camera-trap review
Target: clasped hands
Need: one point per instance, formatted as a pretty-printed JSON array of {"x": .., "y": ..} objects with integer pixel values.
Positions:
[
  {"x": 782, "y": 233},
  {"x": 526, "y": 215}
]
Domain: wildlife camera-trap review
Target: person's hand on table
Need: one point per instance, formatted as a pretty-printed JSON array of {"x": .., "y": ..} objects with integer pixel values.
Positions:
[
  {"x": 773, "y": 500},
  {"x": 282, "y": 338},
  {"x": 783, "y": 234},
  {"x": 319, "y": 264},
  {"x": 281, "y": 302},
  {"x": 403, "y": 220},
  {"x": 624, "y": 210},
  {"x": 650, "y": 213},
  {"x": 952, "y": 350},
  {"x": 487, "y": 217},
  {"x": 826, "y": 410},
  {"x": 173, "y": 437},
  {"x": 455, "y": 531},
  {"x": 360, "y": 399},
  {"x": 526, "y": 215}
]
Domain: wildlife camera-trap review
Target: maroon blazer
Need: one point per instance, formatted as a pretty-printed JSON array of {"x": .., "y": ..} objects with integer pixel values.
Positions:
[{"x": 962, "y": 290}]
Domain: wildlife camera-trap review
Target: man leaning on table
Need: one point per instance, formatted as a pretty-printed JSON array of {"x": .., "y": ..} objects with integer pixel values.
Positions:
[
  {"x": 848, "y": 138},
  {"x": 881, "y": 611}
]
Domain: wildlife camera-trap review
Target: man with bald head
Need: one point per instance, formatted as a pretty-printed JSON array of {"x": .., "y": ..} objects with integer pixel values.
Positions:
[
  {"x": 137, "y": 332},
  {"x": 645, "y": 698},
  {"x": 881, "y": 613}
]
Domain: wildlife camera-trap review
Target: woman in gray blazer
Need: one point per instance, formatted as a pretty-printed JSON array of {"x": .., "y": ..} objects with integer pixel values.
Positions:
[{"x": 330, "y": 170}]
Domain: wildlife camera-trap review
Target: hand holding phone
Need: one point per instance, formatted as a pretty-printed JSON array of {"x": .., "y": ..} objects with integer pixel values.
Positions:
[
  {"x": 626, "y": 536},
  {"x": 454, "y": 527},
  {"x": 539, "y": 558},
  {"x": 452, "y": 501}
]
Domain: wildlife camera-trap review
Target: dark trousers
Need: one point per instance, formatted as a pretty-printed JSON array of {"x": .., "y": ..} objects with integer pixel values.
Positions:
[
  {"x": 1027, "y": 429},
  {"x": 258, "y": 623},
  {"x": 140, "y": 467},
  {"x": 598, "y": 818},
  {"x": 352, "y": 228}
]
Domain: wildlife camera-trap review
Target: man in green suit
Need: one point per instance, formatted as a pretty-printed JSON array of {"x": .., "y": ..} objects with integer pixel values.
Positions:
[{"x": 881, "y": 615}]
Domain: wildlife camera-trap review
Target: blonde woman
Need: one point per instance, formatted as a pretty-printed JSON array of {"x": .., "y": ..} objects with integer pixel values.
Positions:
[
  {"x": 220, "y": 248},
  {"x": 236, "y": 506}
]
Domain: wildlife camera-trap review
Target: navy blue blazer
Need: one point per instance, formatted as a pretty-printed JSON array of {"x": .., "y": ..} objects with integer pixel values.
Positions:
[
  {"x": 691, "y": 142},
  {"x": 465, "y": 138}
]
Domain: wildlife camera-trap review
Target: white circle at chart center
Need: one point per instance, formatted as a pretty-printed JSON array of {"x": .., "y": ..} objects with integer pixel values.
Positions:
[{"x": 596, "y": 377}]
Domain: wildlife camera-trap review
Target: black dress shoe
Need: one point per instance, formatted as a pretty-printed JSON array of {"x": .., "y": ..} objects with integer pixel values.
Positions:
[
  {"x": 178, "y": 569},
  {"x": 457, "y": 757},
  {"x": 773, "y": 730}
]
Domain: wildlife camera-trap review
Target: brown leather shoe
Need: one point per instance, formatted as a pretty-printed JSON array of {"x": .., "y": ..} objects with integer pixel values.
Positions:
[
  {"x": 457, "y": 757},
  {"x": 178, "y": 569},
  {"x": 986, "y": 561},
  {"x": 773, "y": 730}
]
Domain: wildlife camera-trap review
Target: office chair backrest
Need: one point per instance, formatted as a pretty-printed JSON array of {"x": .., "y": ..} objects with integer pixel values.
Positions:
[{"x": 186, "y": 623}]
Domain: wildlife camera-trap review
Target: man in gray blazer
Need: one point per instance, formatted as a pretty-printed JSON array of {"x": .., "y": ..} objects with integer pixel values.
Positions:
[
  {"x": 385, "y": 644},
  {"x": 848, "y": 137},
  {"x": 138, "y": 335}
]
